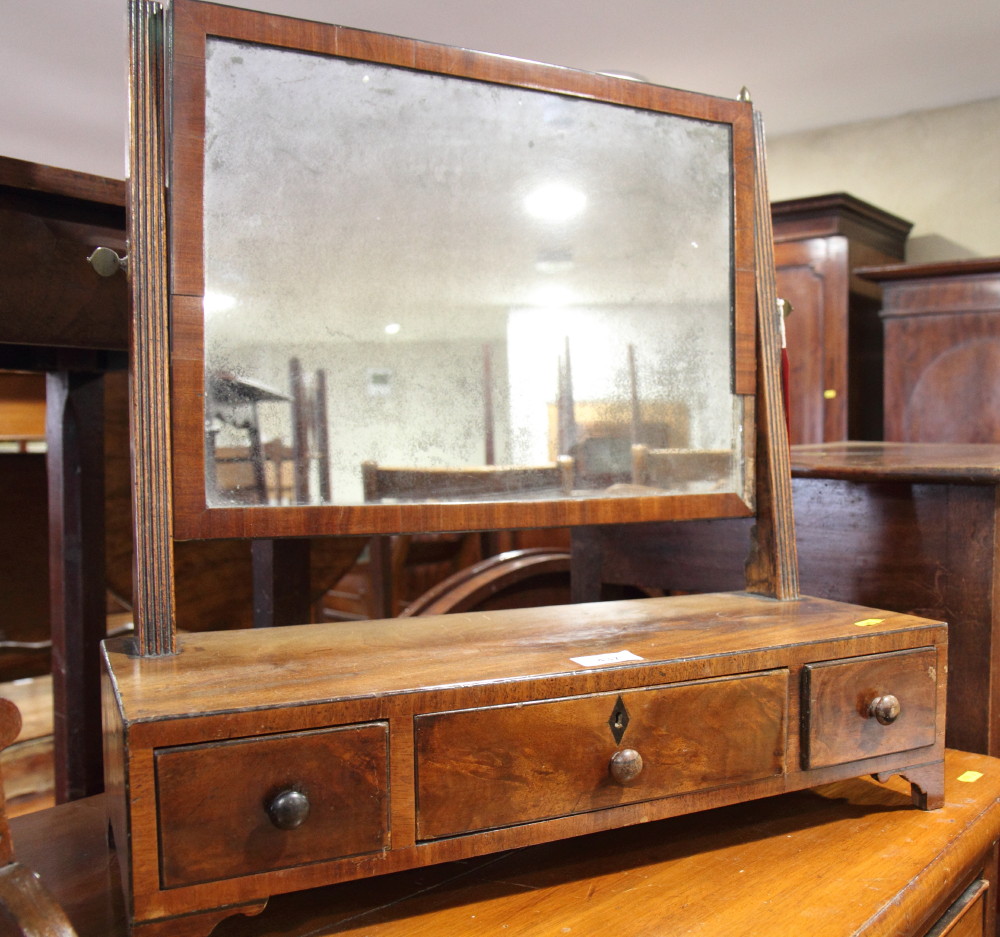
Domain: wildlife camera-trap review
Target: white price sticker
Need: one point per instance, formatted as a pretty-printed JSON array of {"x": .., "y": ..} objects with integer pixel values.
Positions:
[{"x": 600, "y": 660}]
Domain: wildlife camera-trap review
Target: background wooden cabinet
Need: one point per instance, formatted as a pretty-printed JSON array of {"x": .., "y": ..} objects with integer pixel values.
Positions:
[
  {"x": 834, "y": 333},
  {"x": 942, "y": 350}
]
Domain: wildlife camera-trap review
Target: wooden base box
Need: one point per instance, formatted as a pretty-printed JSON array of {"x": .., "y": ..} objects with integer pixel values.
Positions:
[{"x": 260, "y": 762}]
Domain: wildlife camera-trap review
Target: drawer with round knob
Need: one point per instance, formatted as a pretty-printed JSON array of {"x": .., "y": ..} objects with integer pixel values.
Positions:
[
  {"x": 258, "y": 804},
  {"x": 499, "y": 766},
  {"x": 866, "y": 706}
]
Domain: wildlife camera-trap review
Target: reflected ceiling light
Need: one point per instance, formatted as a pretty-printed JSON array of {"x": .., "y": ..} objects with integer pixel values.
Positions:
[
  {"x": 551, "y": 295},
  {"x": 694, "y": 243},
  {"x": 555, "y": 201},
  {"x": 217, "y": 302},
  {"x": 392, "y": 328}
]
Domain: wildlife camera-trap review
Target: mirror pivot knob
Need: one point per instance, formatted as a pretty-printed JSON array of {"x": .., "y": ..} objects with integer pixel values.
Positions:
[{"x": 107, "y": 262}]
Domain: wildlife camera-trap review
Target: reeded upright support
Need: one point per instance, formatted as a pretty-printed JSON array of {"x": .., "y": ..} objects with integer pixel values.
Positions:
[
  {"x": 149, "y": 384},
  {"x": 772, "y": 568}
]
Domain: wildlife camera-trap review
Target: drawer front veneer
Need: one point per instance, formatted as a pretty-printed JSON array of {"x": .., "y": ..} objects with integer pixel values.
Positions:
[
  {"x": 967, "y": 916},
  {"x": 867, "y": 706},
  {"x": 493, "y": 767},
  {"x": 270, "y": 802}
]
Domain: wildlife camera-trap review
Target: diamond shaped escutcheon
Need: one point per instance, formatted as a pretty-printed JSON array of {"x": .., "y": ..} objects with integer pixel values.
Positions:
[{"x": 618, "y": 720}]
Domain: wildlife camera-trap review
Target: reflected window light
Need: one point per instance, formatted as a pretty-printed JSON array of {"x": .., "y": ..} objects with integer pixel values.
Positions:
[
  {"x": 694, "y": 243},
  {"x": 218, "y": 302},
  {"x": 555, "y": 202},
  {"x": 392, "y": 328},
  {"x": 630, "y": 76}
]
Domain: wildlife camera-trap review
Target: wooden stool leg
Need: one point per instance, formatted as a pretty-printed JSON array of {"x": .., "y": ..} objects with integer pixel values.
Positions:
[{"x": 26, "y": 907}]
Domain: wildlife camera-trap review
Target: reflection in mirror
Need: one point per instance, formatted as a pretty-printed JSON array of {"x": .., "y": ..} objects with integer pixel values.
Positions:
[{"x": 449, "y": 289}]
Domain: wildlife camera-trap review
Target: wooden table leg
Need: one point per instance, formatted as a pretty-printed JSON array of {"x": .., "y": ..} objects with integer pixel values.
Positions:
[
  {"x": 75, "y": 437},
  {"x": 281, "y": 593}
]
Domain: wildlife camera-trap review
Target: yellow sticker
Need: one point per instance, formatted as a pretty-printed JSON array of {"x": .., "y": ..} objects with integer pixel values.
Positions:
[
  {"x": 865, "y": 622},
  {"x": 970, "y": 776}
]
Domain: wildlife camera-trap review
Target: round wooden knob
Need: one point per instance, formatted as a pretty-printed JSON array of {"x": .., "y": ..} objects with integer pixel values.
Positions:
[
  {"x": 885, "y": 709},
  {"x": 288, "y": 809},
  {"x": 625, "y": 765}
]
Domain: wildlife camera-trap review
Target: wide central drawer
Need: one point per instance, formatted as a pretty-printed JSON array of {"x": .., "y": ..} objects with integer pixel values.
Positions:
[{"x": 497, "y": 766}]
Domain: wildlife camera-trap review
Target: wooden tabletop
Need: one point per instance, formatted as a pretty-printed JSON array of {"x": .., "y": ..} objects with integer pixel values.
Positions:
[
  {"x": 846, "y": 859},
  {"x": 947, "y": 268},
  {"x": 971, "y": 463}
]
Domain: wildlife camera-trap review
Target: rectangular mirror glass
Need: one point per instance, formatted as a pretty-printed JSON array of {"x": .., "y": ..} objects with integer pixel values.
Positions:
[{"x": 423, "y": 288}]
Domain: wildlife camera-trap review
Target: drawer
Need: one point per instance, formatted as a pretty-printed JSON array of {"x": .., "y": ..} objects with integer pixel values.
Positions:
[
  {"x": 967, "y": 916},
  {"x": 271, "y": 802},
  {"x": 838, "y": 722},
  {"x": 498, "y": 766}
]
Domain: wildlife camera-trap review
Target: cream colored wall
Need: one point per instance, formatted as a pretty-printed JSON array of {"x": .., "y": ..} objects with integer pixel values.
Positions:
[{"x": 938, "y": 168}]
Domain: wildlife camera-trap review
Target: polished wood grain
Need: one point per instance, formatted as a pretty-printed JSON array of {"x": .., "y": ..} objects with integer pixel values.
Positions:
[
  {"x": 50, "y": 222},
  {"x": 968, "y": 916},
  {"x": 26, "y": 906},
  {"x": 77, "y": 600},
  {"x": 214, "y": 582},
  {"x": 149, "y": 335},
  {"x": 510, "y": 689},
  {"x": 942, "y": 343},
  {"x": 838, "y": 700},
  {"x": 342, "y": 774},
  {"x": 960, "y": 463},
  {"x": 22, "y": 406},
  {"x": 772, "y": 566},
  {"x": 191, "y": 715},
  {"x": 66, "y": 183},
  {"x": 908, "y": 526},
  {"x": 524, "y": 578},
  {"x": 58, "y": 316},
  {"x": 10, "y": 728},
  {"x": 24, "y": 566},
  {"x": 484, "y": 768},
  {"x": 212, "y": 671},
  {"x": 192, "y": 22},
  {"x": 846, "y": 858},
  {"x": 914, "y": 526},
  {"x": 834, "y": 332}
]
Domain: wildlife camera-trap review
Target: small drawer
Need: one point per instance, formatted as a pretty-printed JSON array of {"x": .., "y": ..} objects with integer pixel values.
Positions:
[
  {"x": 493, "y": 767},
  {"x": 868, "y": 706},
  {"x": 271, "y": 802}
]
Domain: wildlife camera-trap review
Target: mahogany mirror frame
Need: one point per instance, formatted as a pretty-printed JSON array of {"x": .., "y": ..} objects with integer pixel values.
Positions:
[
  {"x": 192, "y": 24},
  {"x": 167, "y": 287}
]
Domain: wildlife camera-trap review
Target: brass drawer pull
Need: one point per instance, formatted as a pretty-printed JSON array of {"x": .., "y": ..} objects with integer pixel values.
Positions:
[
  {"x": 885, "y": 709},
  {"x": 288, "y": 809},
  {"x": 625, "y": 765}
]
